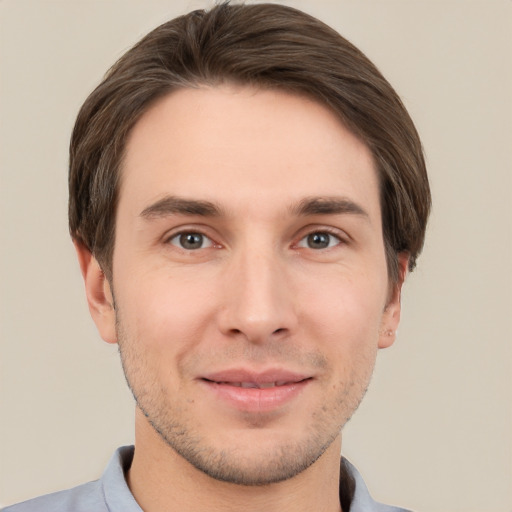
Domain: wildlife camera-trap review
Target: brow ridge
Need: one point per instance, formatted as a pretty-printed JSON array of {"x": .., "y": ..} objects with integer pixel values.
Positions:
[
  {"x": 173, "y": 205},
  {"x": 317, "y": 205},
  {"x": 327, "y": 205}
]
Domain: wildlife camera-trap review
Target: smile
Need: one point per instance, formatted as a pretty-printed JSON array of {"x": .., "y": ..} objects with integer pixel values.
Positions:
[
  {"x": 257, "y": 385},
  {"x": 252, "y": 392}
]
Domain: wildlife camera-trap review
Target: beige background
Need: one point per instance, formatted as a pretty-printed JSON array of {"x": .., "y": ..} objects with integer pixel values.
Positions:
[{"x": 434, "y": 433}]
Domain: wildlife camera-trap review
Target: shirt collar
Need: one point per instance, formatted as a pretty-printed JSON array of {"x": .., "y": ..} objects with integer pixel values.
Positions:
[{"x": 354, "y": 495}]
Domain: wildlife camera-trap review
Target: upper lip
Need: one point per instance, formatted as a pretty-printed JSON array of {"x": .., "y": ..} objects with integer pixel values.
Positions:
[{"x": 238, "y": 375}]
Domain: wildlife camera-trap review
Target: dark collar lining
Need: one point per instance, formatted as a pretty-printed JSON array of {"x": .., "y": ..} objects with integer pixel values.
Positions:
[
  {"x": 347, "y": 482},
  {"x": 347, "y": 486}
]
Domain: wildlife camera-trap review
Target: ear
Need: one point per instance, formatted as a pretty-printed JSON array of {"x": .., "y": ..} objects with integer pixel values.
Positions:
[
  {"x": 391, "y": 315},
  {"x": 99, "y": 294}
]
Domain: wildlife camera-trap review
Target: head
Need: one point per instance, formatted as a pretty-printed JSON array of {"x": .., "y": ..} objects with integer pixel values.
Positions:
[
  {"x": 267, "y": 46},
  {"x": 254, "y": 191}
]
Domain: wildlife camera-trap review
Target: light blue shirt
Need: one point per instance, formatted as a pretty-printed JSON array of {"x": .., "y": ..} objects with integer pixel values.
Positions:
[{"x": 111, "y": 493}]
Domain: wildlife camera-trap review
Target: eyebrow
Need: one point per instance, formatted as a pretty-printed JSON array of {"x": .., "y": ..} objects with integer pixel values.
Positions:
[
  {"x": 327, "y": 206},
  {"x": 172, "y": 205}
]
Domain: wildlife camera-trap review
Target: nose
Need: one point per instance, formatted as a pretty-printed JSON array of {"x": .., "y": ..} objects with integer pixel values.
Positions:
[{"x": 258, "y": 302}]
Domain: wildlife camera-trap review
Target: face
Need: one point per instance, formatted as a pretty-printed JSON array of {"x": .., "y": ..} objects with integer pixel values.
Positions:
[{"x": 249, "y": 279}]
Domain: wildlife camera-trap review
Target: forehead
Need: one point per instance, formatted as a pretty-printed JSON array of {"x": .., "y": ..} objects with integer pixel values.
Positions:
[{"x": 240, "y": 145}]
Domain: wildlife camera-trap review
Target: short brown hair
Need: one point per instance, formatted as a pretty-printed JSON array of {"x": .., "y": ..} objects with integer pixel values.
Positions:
[{"x": 263, "y": 45}]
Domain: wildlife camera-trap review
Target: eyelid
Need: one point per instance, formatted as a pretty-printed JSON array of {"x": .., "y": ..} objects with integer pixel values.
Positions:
[
  {"x": 337, "y": 233},
  {"x": 207, "y": 241},
  {"x": 189, "y": 229},
  {"x": 175, "y": 232}
]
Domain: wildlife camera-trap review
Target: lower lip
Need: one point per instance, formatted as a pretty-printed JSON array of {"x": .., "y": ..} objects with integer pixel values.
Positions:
[{"x": 257, "y": 399}]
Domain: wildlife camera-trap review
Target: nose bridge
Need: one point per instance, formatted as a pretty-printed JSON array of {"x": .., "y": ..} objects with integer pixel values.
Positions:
[{"x": 258, "y": 303}]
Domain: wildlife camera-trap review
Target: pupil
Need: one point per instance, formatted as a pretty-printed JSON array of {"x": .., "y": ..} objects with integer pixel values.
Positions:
[
  {"x": 191, "y": 240},
  {"x": 318, "y": 240}
]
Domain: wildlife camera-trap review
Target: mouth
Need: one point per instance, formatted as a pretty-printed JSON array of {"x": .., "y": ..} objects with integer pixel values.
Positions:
[
  {"x": 255, "y": 385},
  {"x": 256, "y": 392}
]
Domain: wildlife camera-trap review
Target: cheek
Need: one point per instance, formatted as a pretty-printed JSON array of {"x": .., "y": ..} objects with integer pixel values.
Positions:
[
  {"x": 347, "y": 309},
  {"x": 165, "y": 311}
]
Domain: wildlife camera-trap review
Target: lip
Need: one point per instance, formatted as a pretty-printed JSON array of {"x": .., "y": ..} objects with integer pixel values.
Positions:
[{"x": 251, "y": 391}]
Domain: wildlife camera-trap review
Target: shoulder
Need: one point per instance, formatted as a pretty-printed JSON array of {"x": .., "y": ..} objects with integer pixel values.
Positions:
[
  {"x": 84, "y": 498},
  {"x": 361, "y": 500},
  {"x": 109, "y": 493}
]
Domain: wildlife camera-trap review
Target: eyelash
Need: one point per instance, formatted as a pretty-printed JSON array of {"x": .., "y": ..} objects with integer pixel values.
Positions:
[
  {"x": 323, "y": 231},
  {"x": 177, "y": 239}
]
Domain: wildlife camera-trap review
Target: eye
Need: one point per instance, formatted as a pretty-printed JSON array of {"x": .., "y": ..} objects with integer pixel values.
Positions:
[
  {"x": 191, "y": 241},
  {"x": 319, "y": 240}
]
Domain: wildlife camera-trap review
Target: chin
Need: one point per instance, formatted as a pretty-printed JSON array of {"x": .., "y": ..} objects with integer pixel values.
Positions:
[{"x": 257, "y": 458}]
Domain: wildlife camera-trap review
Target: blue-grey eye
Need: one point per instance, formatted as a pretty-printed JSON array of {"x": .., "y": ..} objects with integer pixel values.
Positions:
[
  {"x": 191, "y": 241},
  {"x": 319, "y": 240}
]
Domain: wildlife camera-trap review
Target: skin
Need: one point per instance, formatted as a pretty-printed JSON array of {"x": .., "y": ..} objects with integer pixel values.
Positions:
[{"x": 288, "y": 274}]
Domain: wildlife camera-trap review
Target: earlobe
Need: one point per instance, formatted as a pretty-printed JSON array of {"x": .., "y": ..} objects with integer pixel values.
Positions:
[
  {"x": 98, "y": 292},
  {"x": 391, "y": 315}
]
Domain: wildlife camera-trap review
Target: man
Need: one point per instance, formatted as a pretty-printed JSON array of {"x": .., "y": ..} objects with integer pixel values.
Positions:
[{"x": 247, "y": 193}]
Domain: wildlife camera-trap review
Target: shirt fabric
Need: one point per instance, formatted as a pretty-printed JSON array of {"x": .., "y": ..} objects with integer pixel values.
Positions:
[{"x": 111, "y": 493}]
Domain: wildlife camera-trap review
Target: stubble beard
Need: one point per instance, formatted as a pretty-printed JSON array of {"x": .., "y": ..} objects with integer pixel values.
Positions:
[{"x": 170, "y": 421}]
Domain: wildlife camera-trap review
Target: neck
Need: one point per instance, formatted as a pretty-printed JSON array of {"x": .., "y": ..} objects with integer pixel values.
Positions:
[{"x": 159, "y": 477}]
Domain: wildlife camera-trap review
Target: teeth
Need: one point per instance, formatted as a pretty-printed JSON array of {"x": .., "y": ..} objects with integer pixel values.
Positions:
[{"x": 254, "y": 385}]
